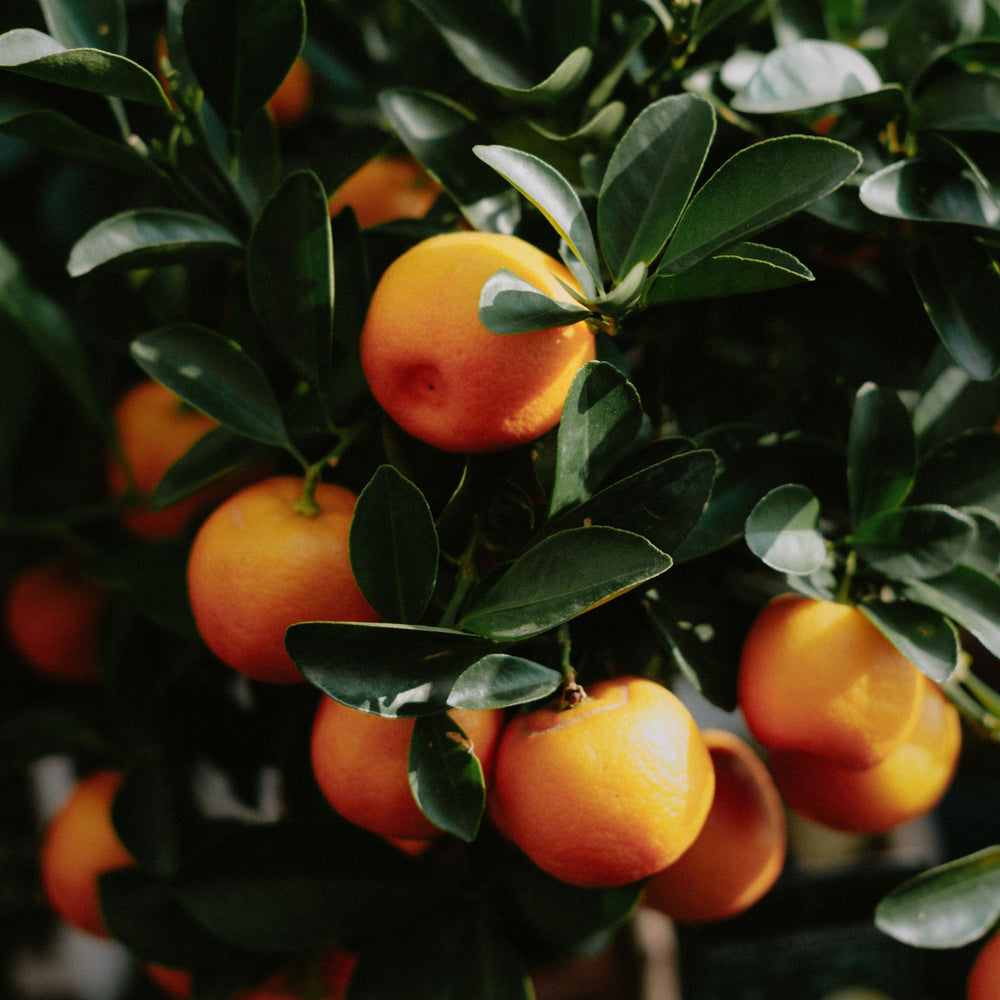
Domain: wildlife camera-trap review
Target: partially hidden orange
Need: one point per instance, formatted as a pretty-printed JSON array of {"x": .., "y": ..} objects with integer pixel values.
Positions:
[
  {"x": 386, "y": 188},
  {"x": 984, "y": 976},
  {"x": 290, "y": 103}
]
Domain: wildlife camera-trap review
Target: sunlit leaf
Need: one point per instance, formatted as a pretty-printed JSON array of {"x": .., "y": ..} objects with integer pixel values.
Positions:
[
  {"x": 782, "y": 530},
  {"x": 969, "y": 597},
  {"x": 98, "y": 24},
  {"x": 509, "y": 305},
  {"x": 925, "y": 637}
]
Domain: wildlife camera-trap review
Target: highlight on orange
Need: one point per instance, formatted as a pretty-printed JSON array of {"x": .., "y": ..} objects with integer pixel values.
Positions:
[
  {"x": 80, "y": 844},
  {"x": 384, "y": 189},
  {"x": 440, "y": 374},
  {"x": 739, "y": 853}
]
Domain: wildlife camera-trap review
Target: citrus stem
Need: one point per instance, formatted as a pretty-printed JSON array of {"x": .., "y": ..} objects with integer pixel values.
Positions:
[
  {"x": 844, "y": 590},
  {"x": 306, "y": 503},
  {"x": 465, "y": 579}
]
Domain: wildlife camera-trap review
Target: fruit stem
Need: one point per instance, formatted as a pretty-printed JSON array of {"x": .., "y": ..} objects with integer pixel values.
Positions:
[
  {"x": 571, "y": 693},
  {"x": 306, "y": 503},
  {"x": 844, "y": 590},
  {"x": 465, "y": 578}
]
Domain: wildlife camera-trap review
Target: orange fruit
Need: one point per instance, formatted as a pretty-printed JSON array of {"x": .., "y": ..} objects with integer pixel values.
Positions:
[
  {"x": 905, "y": 785},
  {"x": 605, "y": 792},
  {"x": 818, "y": 677},
  {"x": 257, "y": 565},
  {"x": 440, "y": 374},
  {"x": 155, "y": 427},
  {"x": 740, "y": 851},
  {"x": 360, "y": 762},
  {"x": 386, "y": 188},
  {"x": 79, "y": 845},
  {"x": 53, "y": 615},
  {"x": 174, "y": 982},
  {"x": 289, "y": 104},
  {"x": 984, "y": 976}
]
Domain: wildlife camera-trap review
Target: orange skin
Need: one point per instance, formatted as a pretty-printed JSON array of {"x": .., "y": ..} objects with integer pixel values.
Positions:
[
  {"x": 818, "y": 677},
  {"x": 53, "y": 616},
  {"x": 907, "y": 784},
  {"x": 257, "y": 566},
  {"x": 290, "y": 103},
  {"x": 740, "y": 851},
  {"x": 360, "y": 764},
  {"x": 607, "y": 792},
  {"x": 386, "y": 188},
  {"x": 80, "y": 844},
  {"x": 984, "y": 976},
  {"x": 440, "y": 374}
]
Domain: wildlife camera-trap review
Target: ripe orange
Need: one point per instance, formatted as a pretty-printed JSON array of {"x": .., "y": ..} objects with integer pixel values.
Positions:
[
  {"x": 740, "y": 851},
  {"x": 605, "y": 792},
  {"x": 386, "y": 188},
  {"x": 174, "y": 982},
  {"x": 984, "y": 976},
  {"x": 52, "y": 616},
  {"x": 290, "y": 103},
  {"x": 819, "y": 677},
  {"x": 81, "y": 844},
  {"x": 257, "y": 565},
  {"x": 155, "y": 427},
  {"x": 360, "y": 764},
  {"x": 907, "y": 784},
  {"x": 440, "y": 374}
]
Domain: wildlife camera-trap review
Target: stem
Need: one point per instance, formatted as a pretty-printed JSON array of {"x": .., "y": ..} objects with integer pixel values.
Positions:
[
  {"x": 466, "y": 578},
  {"x": 844, "y": 590}
]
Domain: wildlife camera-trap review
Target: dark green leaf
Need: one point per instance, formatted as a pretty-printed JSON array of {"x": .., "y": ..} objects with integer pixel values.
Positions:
[
  {"x": 952, "y": 402},
  {"x": 918, "y": 32},
  {"x": 746, "y": 267},
  {"x": 969, "y": 597},
  {"x": 215, "y": 376},
  {"x": 984, "y": 553},
  {"x": 561, "y": 577},
  {"x": 241, "y": 51},
  {"x": 619, "y": 61},
  {"x": 144, "y": 237},
  {"x": 394, "y": 546},
  {"x": 782, "y": 530},
  {"x": 755, "y": 189},
  {"x": 650, "y": 178},
  {"x": 601, "y": 128},
  {"x": 446, "y": 777},
  {"x": 600, "y": 419},
  {"x": 946, "y": 907},
  {"x": 925, "y": 637},
  {"x": 509, "y": 305},
  {"x": 500, "y": 680},
  {"x": 563, "y": 80},
  {"x": 145, "y": 813},
  {"x": 98, "y": 24},
  {"x": 960, "y": 103},
  {"x": 716, "y": 13},
  {"x": 881, "y": 455}
]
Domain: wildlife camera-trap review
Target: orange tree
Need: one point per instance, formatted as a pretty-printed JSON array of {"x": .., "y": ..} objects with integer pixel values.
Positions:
[{"x": 779, "y": 223}]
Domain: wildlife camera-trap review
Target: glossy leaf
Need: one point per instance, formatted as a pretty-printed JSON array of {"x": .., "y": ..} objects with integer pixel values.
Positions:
[
  {"x": 984, "y": 553},
  {"x": 146, "y": 237},
  {"x": 242, "y": 51},
  {"x": 509, "y": 305},
  {"x": 215, "y": 376},
  {"x": 561, "y": 577},
  {"x": 964, "y": 472},
  {"x": 499, "y": 680},
  {"x": 925, "y": 637},
  {"x": 782, "y": 530},
  {"x": 33, "y": 53},
  {"x": 919, "y": 32},
  {"x": 290, "y": 275},
  {"x": 600, "y": 419},
  {"x": 394, "y": 546},
  {"x": 746, "y": 267},
  {"x": 563, "y": 80},
  {"x": 969, "y": 597},
  {"x": 950, "y": 403},
  {"x": 650, "y": 177},
  {"x": 964, "y": 102},
  {"x": 948, "y": 906},
  {"x": 618, "y": 63},
  {"x": 881, "y": 457},
  {"x": 446, "y": 777},
  {"x": 960, "y": 289},
  {"x": 755, "y": 189},
  {"x": 98, "y": 24}
]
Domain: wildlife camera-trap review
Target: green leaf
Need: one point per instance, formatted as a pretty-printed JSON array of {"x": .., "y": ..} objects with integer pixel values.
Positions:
[
  {"x": 499, "y": 680},
  {"x": 563, "y": 80},
  {"x": 806, "y": 74},
  {"x": 965, "y": 102},
  {"x": 561, "y": 577},
  {"x": 925, "y": 637},
  {"x": 554, "y": 197},
  {"x": 881, "y": 454},
  {"x": 960, "y": 289},
  {"x": 746, "y": 267},
  {"x": 600, "y": 419},
  {"x": 242, "y": 51},
  {"x": 963, "y": 472},
  {"x": 146, "y": 813},
  {"x": 509, "y": 305},
  {"x": 394, "y": 546},
  {"x": 98, "y": 24},
  {"x": 446, "y": 777},
  {"x": 916, "y": 542},
  {"x": 214, "y": 375},
  {"x": 33, "y": 53},
  {"x": 919, "y": 32},
  {"x": 290, "y": 274},
  {"x": 755, "y": 189},
  {"x": 948, "y": 906},
  {"x": 782, "y": 530},
  {"x": 650, "y": 177},
  {"x": 968, "y": 596},
  {"x": 146, "y": 237},
  {"x": 984, "y": 553}
]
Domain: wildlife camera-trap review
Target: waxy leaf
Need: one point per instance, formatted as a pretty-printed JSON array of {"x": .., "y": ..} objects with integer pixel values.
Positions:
[
  {"x": 782, "y": 530},
  {"x": 650, "y": 177},
  {"x": 755, "y": 189},
  {"x": 600, "y": 420},
  {"x": 964, "y": 472},
  {"x": 948, "y": 906},
  {"x": 394, "y": 546},
  {"x": 561, "y": 577},
  {"x": 968, "y": 596},
  {"x": 214, "y": 375},
  {"x": 919, "y": 32},
  {"x": 98, "y": 24},
  {"x": 924, "y": 636},
  {"x": 146, "y": 237},
  {"x": 446, "y": 777},
  {"x": 951, "y": 403},
  {"x": 509, "y": 305},
  {"x": 563, "y": 80},
  {"x": 962, "y": 102}
]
